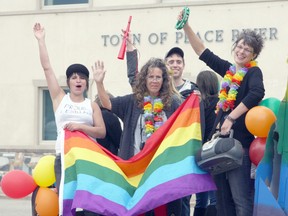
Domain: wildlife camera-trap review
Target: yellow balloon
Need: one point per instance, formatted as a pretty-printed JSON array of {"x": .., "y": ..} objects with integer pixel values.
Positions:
[{"x": 43, "y": 173}]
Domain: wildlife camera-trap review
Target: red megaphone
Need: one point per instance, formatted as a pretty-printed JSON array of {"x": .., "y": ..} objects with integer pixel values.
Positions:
[{"x": 122, "y": 50}]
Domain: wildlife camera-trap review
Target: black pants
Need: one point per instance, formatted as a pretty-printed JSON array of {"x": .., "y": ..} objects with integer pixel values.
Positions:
[
  {"x": 57, "y": 169},
  {"x": 174, "y": 208},
  {"x": 86, "y": 213},
  {"x": 33, "y": 198}
]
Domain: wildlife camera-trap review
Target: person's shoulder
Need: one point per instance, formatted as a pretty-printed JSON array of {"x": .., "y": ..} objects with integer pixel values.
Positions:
[
  {"x": 177, "y": 100},
  {"x": 188, "y": 88},
  {"x": 192, "y": 84},
  {"x": 108, "y": 114},
  {"x": 256, "y": 68},
  {"x": 123, "y": 97},
  {"x": 254, "y": 72}
]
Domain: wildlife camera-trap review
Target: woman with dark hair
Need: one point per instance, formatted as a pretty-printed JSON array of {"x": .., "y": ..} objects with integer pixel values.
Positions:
[
  {"x": 152, "y": 102},
  {"x": 242, "y": 88},
  {"x": 72, "y": 110},
  {"x": 207, "y": 82},
  {"x": 113, "y": 128}
]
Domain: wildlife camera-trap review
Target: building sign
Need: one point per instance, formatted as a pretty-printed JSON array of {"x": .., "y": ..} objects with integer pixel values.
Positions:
[{"x": 210, "y": 36}]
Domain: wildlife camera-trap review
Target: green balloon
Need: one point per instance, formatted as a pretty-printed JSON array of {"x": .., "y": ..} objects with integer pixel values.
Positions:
[{"x": 271, "y": 103}]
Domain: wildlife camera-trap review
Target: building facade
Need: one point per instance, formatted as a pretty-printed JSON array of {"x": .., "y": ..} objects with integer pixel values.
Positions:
[{"x": 83, "y": 31}]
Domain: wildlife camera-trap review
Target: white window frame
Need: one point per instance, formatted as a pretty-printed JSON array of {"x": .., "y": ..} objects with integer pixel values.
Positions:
[
  {"x": 40, "y": 86},
  {"x": 66, "y": 6}
]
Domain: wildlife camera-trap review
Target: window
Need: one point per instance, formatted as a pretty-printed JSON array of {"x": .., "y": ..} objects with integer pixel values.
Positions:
[
  {"x": 48, "y": 124},
  {"x": 49, "y": 131},
  {"x": 64, "y": 2}
]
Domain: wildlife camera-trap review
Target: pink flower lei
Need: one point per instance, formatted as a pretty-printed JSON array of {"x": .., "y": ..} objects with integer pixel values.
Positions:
[{"x": 233, "y": 80}]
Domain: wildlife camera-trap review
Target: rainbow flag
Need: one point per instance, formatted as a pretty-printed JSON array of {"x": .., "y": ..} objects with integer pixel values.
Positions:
[{"x": 165, "y": 170}]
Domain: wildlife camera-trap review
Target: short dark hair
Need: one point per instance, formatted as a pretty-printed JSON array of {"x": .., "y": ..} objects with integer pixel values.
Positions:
[{"x": 252, "y": 39}]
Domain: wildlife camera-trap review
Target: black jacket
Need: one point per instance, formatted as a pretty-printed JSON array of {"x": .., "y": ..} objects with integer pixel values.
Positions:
[{"x": 250, "y": 93}]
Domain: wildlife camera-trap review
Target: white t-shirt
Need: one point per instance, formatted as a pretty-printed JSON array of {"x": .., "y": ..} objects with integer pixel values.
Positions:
[{"x": 69, "y": 111}]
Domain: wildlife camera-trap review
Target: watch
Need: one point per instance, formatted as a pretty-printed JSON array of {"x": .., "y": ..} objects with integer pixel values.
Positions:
[{"x": 230, "y": 119}]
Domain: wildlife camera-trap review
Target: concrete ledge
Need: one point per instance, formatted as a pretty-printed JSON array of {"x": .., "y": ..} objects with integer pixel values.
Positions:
[{"x": 28, "y": 149}]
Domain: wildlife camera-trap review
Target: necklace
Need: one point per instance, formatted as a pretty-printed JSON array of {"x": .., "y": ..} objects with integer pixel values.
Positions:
[
  {"x": 152, "y": 114},
  {"x": 229, "y": 86}
]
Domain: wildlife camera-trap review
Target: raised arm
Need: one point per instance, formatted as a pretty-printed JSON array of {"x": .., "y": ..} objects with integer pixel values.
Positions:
[
  {"x": 99, "y": 74},
  {"x": 132, "y": 60},
  {"x": 56, "y": 92},
  {"x": 194, "y": 40}
]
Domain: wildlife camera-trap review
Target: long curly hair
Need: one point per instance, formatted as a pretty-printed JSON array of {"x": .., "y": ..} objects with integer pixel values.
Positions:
[{"x": 166, "y": 91}]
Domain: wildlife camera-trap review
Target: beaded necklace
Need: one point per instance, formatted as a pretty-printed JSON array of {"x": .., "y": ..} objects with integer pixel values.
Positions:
[
  {"x": 152, "y": 114},
  {"x": 229, "y": 86}
]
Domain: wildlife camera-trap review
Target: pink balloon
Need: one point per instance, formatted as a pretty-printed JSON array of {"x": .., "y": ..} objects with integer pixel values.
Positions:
[{"x": 17, "y": 184}]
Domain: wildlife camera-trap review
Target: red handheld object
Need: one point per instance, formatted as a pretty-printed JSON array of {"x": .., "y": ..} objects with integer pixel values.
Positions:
[{"x": 122, "y": 50}]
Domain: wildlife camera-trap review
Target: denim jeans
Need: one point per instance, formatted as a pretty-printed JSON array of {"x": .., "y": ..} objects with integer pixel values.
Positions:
[
  {"x": 204, "y": 199},
  {"x": 186, "y": 206},
  {"x": 234, "y": 190}
]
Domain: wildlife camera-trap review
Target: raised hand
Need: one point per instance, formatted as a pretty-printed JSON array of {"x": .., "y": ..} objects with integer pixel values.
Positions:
[
  {"x": 182, "y": 18},
  {"x": 129, "y": 45},
  {"x": 98, "y": 71},
  {"x": 39, "y": 31}
]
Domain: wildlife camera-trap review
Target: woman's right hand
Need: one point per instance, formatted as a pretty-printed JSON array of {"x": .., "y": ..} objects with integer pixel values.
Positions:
[
  {"x": 39, "y": 31},
  {"x": 180, "y": 17},
  {"x": 98, "y": 71},
  {"x": 129, "y": 42}
]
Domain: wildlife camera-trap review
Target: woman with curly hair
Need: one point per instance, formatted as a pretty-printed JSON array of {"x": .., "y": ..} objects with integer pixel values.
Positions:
[{"x": 152, "y": 102}]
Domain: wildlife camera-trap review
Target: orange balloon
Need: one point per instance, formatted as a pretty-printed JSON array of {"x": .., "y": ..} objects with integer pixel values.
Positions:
[
  {"x": 259, "y": 120},
  {"x": 46, "y": 202}
]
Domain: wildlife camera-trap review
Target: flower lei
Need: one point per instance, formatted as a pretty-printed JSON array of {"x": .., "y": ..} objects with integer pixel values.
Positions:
[
  {"x": 233, "y": 80},
  {"x": 152, "y": 114}
]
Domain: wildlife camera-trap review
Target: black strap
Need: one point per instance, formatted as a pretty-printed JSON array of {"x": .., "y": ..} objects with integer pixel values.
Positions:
[
  {"x": 217, "y": 120},
  {"x": 202, "y": 118},
  {"x": 276, "y": 136}
]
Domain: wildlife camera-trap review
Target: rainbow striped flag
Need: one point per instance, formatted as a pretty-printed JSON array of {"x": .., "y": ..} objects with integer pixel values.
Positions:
[{"x": 165, "y": 170}]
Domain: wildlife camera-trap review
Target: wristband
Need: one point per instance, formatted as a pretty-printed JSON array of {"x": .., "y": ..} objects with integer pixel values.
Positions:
[
  {"x": 185, "y": 15},
  {"x": 230, "y": 119}
]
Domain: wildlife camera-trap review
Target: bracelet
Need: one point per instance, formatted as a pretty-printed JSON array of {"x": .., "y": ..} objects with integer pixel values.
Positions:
[{"x": 230, "y": 119}]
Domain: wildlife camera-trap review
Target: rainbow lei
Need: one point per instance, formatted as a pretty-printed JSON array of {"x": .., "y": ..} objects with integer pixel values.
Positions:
[
  {"x": 233, "y": 80},
  {"x": 152, "y": 114}
]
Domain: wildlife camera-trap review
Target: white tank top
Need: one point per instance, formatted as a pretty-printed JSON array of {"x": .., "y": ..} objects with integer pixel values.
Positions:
[{"x": 69, "y": 111}]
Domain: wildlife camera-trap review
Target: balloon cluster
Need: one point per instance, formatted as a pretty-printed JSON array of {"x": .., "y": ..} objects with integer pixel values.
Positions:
[
  {"x": 258, "y": 121},
  {"x": 18, "y": 184}
]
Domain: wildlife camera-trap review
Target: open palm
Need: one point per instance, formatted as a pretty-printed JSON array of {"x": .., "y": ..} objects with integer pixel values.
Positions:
[{"x": 39, "y": 31}]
